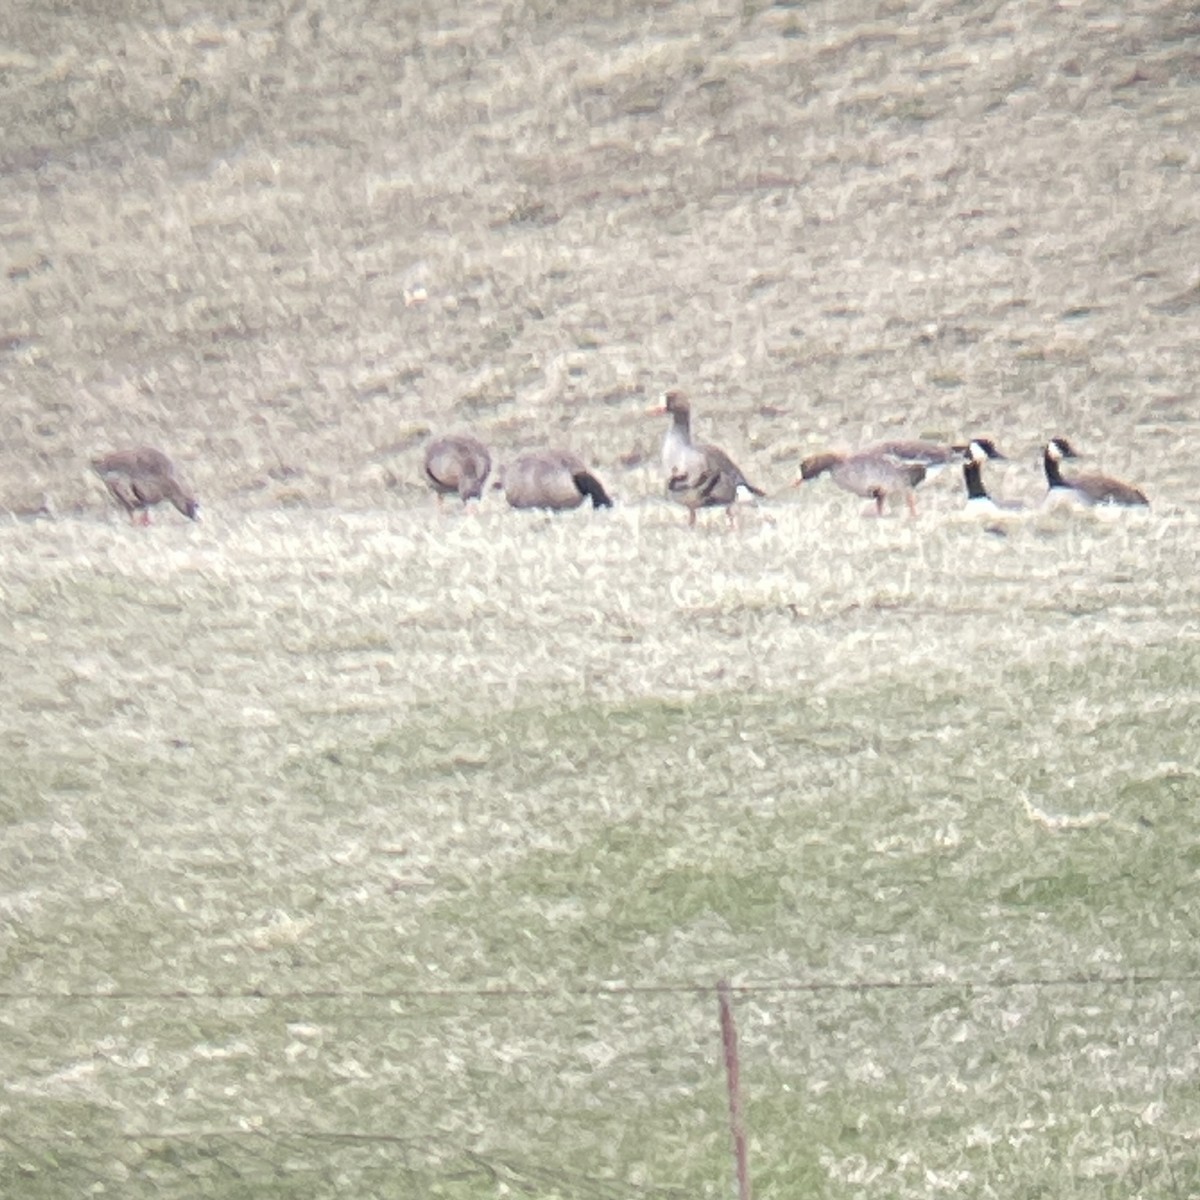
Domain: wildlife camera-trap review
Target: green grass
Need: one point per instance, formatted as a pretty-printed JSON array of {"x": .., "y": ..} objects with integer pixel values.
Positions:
[
  {"x": 352, "y": 847},
  {"x": 403, "y": 908}
]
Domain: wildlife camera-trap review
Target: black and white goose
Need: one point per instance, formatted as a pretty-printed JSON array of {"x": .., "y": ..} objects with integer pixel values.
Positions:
[
  {"x": 1088, "y": 490},
  {"x": 978, "y": 451}
]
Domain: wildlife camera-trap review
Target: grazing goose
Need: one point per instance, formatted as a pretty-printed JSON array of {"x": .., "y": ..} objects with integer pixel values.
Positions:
[
  {"x": 1084, "y": 489},
  {"x": 869, "y": 475},
  {"x": 141, "y": 478},
  {"x": 978, "y": 452},
  {"x": 699, "y": 475},
  {"x": 909, "y": 452},
  {"x": 553, "y": 479},
  {"x": 457, "y": 466}
]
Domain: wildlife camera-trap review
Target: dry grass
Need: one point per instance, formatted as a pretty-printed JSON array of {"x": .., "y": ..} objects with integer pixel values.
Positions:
[
  {"x": 334, "y": 741},
  {"x": 827, "y": 222}
]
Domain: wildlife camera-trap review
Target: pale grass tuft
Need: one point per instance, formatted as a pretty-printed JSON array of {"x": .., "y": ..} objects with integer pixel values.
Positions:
[
  {"x": 281, "y": 930},
  {"x": 1059, "y": 822}
]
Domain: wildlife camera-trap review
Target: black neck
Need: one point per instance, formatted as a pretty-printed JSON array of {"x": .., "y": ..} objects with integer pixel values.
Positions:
[
  {"x": 1053, "y": 471},
  {"x": 973, "y": 474},
  {"x": 589, "y": 485}
]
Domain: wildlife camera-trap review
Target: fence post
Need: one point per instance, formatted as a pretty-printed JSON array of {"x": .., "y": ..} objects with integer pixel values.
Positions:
[{"x": 733, "y": 1081}]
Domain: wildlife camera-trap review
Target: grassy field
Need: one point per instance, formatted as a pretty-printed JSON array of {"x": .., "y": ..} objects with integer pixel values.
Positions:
[
  {"x": 351, "y": 846},
  {"x": 372, "y": 766}
]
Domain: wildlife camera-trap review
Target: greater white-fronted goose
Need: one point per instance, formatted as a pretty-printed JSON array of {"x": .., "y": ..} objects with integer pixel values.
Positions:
[
  {"x": 457, "y": 465},
  {"x": 1084, "y": 489},
  {"x": 555, "y": 479},
  {"x": 140, "y": 478},
  {"x": 909, "y": 452},
  {"x": 699, "y": 475},
  {"x": 869, "y": 475},
  {"x": 978, "y": 451}
]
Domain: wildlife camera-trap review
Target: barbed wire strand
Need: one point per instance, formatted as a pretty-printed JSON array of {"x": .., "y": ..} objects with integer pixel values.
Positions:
[{"x": 503, "y": 992}]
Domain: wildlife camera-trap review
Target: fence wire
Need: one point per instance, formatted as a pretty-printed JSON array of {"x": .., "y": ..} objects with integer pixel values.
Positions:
[
  {"x": 275, "y": 1158},
  {"x": 754, "y": 988}
]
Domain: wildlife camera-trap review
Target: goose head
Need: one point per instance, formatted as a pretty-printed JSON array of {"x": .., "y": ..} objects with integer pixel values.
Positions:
[
  {"x": 981, "y": 449},
  {"x": 814, "y": 465},
  {"x": 1059, "y": 448},
  {"x": 674, "y": 403}
]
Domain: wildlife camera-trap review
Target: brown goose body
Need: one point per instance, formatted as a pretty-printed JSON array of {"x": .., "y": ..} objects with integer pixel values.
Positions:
[
  {"x": 457, "y": 465},
  {"x": 554, "y": 479},
  {"x": 140, "y": 478},
  {"x": 1088, "y": 490},
  {"x": 873, "y": 476},
  {"x": 906, "y": 452},
  {"x": 699, "y": 475}
]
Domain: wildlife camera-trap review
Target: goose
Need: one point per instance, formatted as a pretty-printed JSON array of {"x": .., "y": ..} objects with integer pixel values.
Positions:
[
  {"x": 908, "y": 452},
  {"x": 1084, "y": 489},
  {"x": 555, "y": 479},
  {"x": 699, "y": 475},
  {"x": 457, "y": 466},
  {"x": 140, "y": 478},
  {"x": 871, "y": 475},
  {"x": 978, "y": 451}
]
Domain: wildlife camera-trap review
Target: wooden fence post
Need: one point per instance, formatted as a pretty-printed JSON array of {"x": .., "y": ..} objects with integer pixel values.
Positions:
[{"x": 737, "y": 1125}]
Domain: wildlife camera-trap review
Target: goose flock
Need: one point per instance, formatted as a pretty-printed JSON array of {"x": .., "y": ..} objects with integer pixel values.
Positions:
[{"x": 698, "y": 474}]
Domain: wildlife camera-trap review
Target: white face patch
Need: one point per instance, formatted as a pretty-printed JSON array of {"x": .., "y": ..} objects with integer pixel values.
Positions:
[{"x": 1053, "y": 451}]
